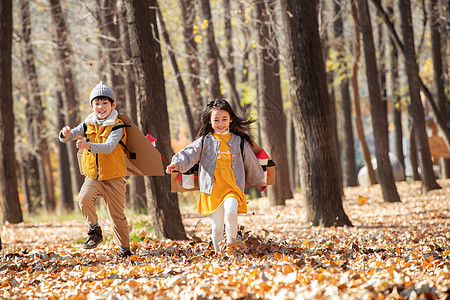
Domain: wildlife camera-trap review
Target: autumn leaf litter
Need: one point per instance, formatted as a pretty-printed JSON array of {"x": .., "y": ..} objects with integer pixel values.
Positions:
[{"x": 394, "y": 251}]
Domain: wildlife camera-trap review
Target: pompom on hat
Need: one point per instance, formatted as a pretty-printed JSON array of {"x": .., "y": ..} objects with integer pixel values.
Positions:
[{"x": 102, "y": 89}]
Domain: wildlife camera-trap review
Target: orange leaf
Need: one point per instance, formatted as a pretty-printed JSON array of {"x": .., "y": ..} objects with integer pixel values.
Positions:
[{"x": 362, "y": 200}]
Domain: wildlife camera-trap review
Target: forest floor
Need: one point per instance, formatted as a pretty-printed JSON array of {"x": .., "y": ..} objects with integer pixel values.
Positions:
[{"x": 393, "y": 251}]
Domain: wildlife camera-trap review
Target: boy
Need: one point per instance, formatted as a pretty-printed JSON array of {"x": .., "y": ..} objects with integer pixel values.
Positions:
[{"x": 104, "y": 165}]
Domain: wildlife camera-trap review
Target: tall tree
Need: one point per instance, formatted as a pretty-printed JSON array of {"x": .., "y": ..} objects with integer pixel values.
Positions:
[
  {"x": 37, "y": 130},
  {"x": 349, "y": 177},
  {"x": 438, "y": 71},
  {"x": 136, "y": 192},
  {"x": 271, "y": 114},
  {"x": 152, "y": 112},
  {"x": 318, "y": 158},
  {"x": 381, "y": 62},
  {"x": 193, "y": 63},
  {"x": 384, "y": 169},
  {"x": 213, "y": 80},
  {"x": 64, "y": 53},
  {"x": 396, "y": 102},
  {"x": 355, "y": 86},
  {"x": 415, "y": 108},
  {"x": 66, "y": 203},
  {"x": 8, "y": 180}
]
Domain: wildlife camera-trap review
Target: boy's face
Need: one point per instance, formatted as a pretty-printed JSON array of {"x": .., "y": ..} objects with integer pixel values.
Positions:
[
  {"x": 102, "y": 107},
  {"x": 220, "y": 120}
]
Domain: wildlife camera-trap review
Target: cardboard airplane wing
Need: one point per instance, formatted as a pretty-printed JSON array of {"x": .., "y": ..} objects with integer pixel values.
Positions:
[
  {"x": 145, "y": 161},
  {"x": 148, "y": 160}
]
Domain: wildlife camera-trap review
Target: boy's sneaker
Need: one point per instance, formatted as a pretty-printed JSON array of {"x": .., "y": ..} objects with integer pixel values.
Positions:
[
  {"x": 125, "y": 254},
  {"x": 95, "y": 238}
]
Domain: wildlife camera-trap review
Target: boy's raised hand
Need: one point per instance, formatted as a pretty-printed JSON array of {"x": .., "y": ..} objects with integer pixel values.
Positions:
[
  {"x": 170, "y": 168},
  {"x": 66, "y": 131}
]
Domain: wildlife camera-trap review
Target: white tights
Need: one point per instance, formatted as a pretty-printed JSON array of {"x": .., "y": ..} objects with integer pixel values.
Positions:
[{"x": 228, "y": 212}]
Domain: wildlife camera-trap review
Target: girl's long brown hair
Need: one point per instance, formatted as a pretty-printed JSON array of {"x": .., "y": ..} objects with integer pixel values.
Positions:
[{"x": 238, "y": 126}]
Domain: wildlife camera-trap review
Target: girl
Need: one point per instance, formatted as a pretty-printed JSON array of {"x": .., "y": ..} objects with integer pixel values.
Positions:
[{"x": 223, "y": 169}]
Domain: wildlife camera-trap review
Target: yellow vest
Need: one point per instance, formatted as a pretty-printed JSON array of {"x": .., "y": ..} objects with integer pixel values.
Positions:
[{"x": 110, "y": 165}]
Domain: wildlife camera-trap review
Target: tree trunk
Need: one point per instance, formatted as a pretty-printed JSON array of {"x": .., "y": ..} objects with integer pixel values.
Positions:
[
  {"x": 228, "y": 32},
  {"x": 349, "y": 176},
  {"x": 384, "y": 169},
  {"x": 193, "y": 63},
  {"x": 355, "y": 86},
  {"x": 152, "y": 113},
  {"x": 38, "y": 123},
  {"x": 381, "y": 60},
  {"x": 319, "y": 162},
  {"x": 66, "y": 203},
  {"x": 246, "y": 33},
  {"x": 438, "y": 72},
  {"x": 326, "y": 42},
  {"x": 397, "y": 106},
  {"x": 415, "y": 108},
  {"x": 413, "y": 154},
  {"x": 68, "y": 82},
  {"x": 271, "y": 114},
  {"x": 213, "y": 81},
  {"x": 23, "y": 171},
  {"x": 8, "y": 180},
  {"x": 136, "y": 192},
  {"x": 176, "y": 70}
]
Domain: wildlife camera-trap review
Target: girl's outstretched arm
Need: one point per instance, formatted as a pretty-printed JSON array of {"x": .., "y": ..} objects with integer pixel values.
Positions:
[{"x": 170, "y": 168}]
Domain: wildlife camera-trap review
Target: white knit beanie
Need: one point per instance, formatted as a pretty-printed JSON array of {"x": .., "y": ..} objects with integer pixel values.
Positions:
[{"x": 102, "y": 89}]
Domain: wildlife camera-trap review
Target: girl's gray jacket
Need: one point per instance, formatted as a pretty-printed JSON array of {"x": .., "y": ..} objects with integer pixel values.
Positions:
[{"x": 244, "y": 166}]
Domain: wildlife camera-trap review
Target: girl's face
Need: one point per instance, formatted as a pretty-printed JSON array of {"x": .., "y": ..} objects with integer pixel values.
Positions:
[
  {"x": 220, "y": 120},
  {"x": 102, "y": 107}
]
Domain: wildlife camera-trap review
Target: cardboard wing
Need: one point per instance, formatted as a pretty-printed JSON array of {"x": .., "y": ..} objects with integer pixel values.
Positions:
[{"x": 146, "y": 162}]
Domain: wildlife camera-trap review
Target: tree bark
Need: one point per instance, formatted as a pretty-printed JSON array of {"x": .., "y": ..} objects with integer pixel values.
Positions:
[
  {"x": 176, "y": 70},
  {"x": 66, "y": 203},
  {"x": 397, "y": 106},
  {"x": 415, "y": 108},
  {"x": 193, "y": 63},
  {"x": 213, "y": 81},
  {"x": 384, "y": 169},
  {"x": 38, "y": 123},
  {"x": 246, "y": 42},
  {"x": 271, "y": 114},
  {"x": 152, "y": 113},
  {"x": 8, "y": 180},
  {"x": 355, "y": 86},
  {"x": 321, "y": 191},
  {"x": 349, "y": 176},
  {"x": 64, "y": 54}
]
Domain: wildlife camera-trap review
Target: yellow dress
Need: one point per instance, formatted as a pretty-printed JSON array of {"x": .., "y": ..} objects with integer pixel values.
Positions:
[{"x": 224, "y": 182}]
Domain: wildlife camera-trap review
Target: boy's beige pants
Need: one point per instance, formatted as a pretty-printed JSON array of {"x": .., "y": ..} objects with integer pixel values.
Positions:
[{"x": 113, "y": 192}]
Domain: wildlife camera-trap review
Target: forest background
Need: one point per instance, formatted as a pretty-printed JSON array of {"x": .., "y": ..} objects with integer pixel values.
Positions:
[
  {"x": 61, "y": 49},
  {"x": 336, "y": 87}
]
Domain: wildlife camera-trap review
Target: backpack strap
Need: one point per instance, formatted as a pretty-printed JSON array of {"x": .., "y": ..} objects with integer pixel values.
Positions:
[
  {"x": 242, "y": 147},
  {"x": 85, "y": 128},
  {"x": 118, "y": 126}
]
